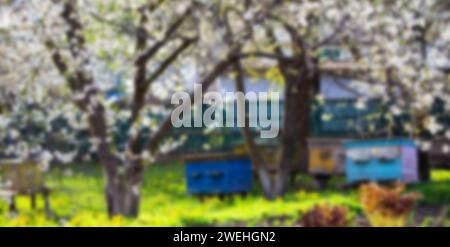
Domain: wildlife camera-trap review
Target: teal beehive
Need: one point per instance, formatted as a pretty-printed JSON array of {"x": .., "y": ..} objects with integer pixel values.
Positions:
[{"x": 381, "y": 160}]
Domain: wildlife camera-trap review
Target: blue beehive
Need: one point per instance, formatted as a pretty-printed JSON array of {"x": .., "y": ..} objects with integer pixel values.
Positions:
[
  {"x": 219, "y": 176},
  {"x": 381, "y": 160}
]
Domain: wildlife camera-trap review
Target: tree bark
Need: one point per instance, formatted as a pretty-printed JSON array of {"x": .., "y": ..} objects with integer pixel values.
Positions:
[
  {"x": 300, "y": 81},
  {"x": 424, "y": 166},
  {"x": 123, "y": 190},
  {"x": 258, "y": 163},
  {"x": 122, "y": 198}
]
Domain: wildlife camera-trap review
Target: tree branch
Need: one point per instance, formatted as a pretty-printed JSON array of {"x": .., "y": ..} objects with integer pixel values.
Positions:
[
  {"x": 127, "y": 28},
  {"x": 139, "y": 96},
  {"x": 78, "y": 81},
  {"x": 142, "y": 88},
  {"x": 255, "y": 155},
  {"x": 332, "y": 35},
  {"x": 166, "y": 126},
  {"x": 147, "y": 55},
  {"x": 142, "y": 83},
  {"x": 261, "y": 54}
]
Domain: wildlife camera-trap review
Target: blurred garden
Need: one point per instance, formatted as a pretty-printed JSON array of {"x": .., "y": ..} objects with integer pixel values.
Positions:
[
  {"x": 78, "y": 200},
  {"x": 225, "y": 113}
]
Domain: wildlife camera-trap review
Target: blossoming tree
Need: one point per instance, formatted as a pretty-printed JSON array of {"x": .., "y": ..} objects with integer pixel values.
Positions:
[
  {"x": 388, "y": 46},
  {"x": 62, "y": 60},
  {"x": 88, "y": 43}
]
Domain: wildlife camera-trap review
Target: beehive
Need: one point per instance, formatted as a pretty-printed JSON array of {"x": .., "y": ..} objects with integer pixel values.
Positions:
[
  {"x": 381, "y": 160},
  {"x": 23, "y": 178},
  {"x": 219, "y": 175},
  {"x": 326, "y": 156}
]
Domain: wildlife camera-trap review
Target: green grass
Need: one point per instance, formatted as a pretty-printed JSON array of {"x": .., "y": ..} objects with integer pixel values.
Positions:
[
  {"x": 78, "y": 200},
  {"x": 437, "y": 191}
]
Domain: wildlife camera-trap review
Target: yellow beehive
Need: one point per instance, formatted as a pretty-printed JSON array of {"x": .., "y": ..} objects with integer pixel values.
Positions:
[
  {"x": 23, "y": 178},
  {"x": 326, "y": 157}
]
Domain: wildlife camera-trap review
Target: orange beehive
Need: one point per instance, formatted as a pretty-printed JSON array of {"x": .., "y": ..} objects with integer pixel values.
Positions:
[{"x": 326, "y": 156}]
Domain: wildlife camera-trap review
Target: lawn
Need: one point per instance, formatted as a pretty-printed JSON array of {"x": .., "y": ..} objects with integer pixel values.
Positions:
[{"x": 78, "y": 200}]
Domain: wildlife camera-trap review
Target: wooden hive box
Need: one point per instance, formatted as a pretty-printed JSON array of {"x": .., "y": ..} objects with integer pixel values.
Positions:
[
  {"x": 23, "y": 178},
  {"x": 326, "y": 156},
  {"x": 218, "y": 174},
  {"x": 381, "y": 160}
]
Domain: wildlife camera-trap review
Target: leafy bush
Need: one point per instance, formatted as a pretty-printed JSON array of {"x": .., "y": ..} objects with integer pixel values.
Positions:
[
  {"x": 387, "y": 207},
  {"x": 325, "y": 215}
]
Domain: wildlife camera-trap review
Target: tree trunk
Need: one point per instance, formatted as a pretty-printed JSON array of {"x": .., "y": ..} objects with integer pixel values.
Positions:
[
  {"x": 122, "y": 199},
  {"x": 424, "y": 167},
  {"x": 123, "y": 190},
  {"x": 300, "y": 85},
  {"x": 254, "y": 152},
  {"x": 301, "y": 82}
]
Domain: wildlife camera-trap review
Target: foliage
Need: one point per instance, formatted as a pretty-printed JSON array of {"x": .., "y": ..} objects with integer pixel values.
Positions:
[
  {"x": 77, "y": 200},
  {"x": 436, "y": 191},
  {"x": 387, "y": 207},
  {"x": 61, "y": 60},
  {"x": 325, "y": 215}
]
